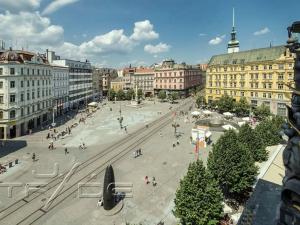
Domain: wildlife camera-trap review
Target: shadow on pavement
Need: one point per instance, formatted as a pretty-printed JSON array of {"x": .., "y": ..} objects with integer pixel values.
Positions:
[
  {"x": 11, "y": 146},
  {"x": 261, "y": 208}
]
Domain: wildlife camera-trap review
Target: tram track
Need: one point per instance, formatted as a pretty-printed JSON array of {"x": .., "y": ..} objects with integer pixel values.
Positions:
[{"x": 29, "y": 210}]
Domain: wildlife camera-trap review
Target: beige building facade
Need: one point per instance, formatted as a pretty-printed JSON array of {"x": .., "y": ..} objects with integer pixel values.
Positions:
[{"x": 259, "y": 75}]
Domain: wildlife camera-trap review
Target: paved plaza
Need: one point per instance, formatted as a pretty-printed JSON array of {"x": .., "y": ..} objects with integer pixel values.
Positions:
[{"x": 148, "y": 204}]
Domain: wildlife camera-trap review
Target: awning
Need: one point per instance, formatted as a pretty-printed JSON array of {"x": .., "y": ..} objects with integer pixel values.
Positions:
[
  {"x": 228, "y": 114},
  {"x": 195, "y": 113},
  {"x": 93, "y": 104},
  {"x": 228, "y": 127}
]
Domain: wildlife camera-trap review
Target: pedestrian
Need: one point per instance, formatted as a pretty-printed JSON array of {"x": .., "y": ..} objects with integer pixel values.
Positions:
[
  {"x": 191, "y": 139},
  {"x": 153, "y": 181},
  {"x": 125, "y": 128},
  {"x": 160, "y": 133},
  {"x": 177, "y": 141},
  {"x": 100, "y": 202},
  {"x": 139, "y": 151},
  {"x": 174, "y": 144},
  {"x": 66, "y": 151},
  {"x": 110, "y": 109},
  {"x": 146, "y": 180},
  {"x": 134, "y": 154},
  {"x": 33, "y": 157}
]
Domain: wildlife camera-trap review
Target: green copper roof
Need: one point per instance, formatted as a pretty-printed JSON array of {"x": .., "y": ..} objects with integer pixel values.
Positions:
[{"x": 254, "y": 55}]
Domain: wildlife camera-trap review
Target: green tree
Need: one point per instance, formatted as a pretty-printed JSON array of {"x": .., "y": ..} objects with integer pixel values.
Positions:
[
  {"x": 162, "y": 95},
  {"x": 232, "y": 165},
  {"x": 262, "y": 111},
  {"x": 130, "y": 94},
  {"x": 198, "y": 199},
  {"x": 173, "y": 96},
  {"x": 268, "y": 130},
  {"x": 200, "y": 100},
  {"x": 111, "y": 94},
  {"x": 140, "y": 93},
  {"x": 225, "y": 104},
  {"x": 242, "y": 107},
  {"x": 120, "y": 95},
  {"x": 249, "y": 138}
]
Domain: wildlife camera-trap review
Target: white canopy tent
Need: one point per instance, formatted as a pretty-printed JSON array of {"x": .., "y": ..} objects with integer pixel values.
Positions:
[
  {"x": 93, "y": 104},
  {"x": 228, "y": 127},
  {"x": 247, "y": 119},
  {"x": 207, "y": 112},
  {"x": 228, "y": 114},
  {"x": 195, "y": 113}
]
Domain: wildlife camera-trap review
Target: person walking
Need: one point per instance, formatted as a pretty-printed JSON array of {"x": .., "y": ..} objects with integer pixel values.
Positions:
[
  {"x": 66, "y": 151},
  {"x": 153, "y": 181},
  {"x": 33, "y": 157},
  {"x": 177, "y": 141},
  {"x": 146, "y": 180}
]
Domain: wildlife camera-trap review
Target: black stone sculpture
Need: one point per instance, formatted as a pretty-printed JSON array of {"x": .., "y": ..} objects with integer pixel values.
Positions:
[
  {"x": 290, "y": 196},
  {"x": 109, "y": 188}
]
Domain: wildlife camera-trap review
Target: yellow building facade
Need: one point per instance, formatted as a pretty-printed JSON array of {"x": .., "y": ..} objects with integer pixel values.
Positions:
[
  {"x": 117, "y": 84},
  {"x": 259, "y": 75}
]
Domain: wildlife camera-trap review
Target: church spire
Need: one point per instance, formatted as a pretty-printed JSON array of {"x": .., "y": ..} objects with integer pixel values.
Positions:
[{"x": 233, "y": 44}]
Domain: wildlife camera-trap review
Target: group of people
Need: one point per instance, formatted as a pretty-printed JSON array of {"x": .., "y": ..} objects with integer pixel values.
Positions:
[
  {"x": 177, "y": 142},
  {"x": 153, "y": 181},
  {"x": 137, "y": 153},
  {"x": 51, "y": 145},
  {"x": 2, "y": 169},
  {"x": 82, "y": 146}
]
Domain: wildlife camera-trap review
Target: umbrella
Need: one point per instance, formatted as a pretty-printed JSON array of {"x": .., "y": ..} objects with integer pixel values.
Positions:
[{"x": 195, "y": 113}]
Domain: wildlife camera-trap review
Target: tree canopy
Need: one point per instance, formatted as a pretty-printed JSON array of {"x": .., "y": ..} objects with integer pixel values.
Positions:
[
  {"x": 198, "y": 199},
  {"x": 226, "y": 104},
  {"x": 242, "y": 107},
  {"x": 162, "y": 95},
  {"x": 232, "y": 165},
  {"x": 262, "y": 111}
]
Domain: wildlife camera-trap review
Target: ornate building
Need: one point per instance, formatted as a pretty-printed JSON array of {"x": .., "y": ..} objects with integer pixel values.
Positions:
[
  {"x": 26, "y": 91},
  {"x": 259, "y": 75},
  {"x": 177, "y": 77}
]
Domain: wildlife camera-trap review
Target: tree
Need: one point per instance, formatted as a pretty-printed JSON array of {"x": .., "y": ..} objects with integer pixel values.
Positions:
[
  {"x": 111, "y": 94},
  {"x": 130, "y": 94},
  {"x": 173, "y": 96},
  {"x": 140, "y": 93},
  {"x": 120, "y": 95},
  {"x": 232, "y": 165},
  {"x": 268, "y": 130},
  {"x": 249, "y": 138},
  {"x": 162, "y": 95},
  {"x": 262, "y": 111},
  {"x": 198, "y": 199},
  {"x": 200, "y": 100},
  {"x": 225, "y": 104},
  {"x": 242, "y": 107}
]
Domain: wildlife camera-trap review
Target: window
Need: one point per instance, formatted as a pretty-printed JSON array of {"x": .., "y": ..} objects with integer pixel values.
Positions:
[
  {"x": 265, "y": 76},
  {"x": 270, "y": 85},
  {"x": 265, "y": 85},
  {"x": 280, "y": 66},
  {"x": 22, "y": 111},
  {"x": 33, "y": 95},
  {"x": 22, "y": 71},
  {"x": 22, "y": 97},
  {"x": 33, "y": 108},
  {"x": 38, "y": 83},
  {"x": 1, "y": 84},
  {"x": 280, "y": 86},
  {"x": 242, "y": 93},
  {"x": 12, "y": 71},
  {"x": 1, "y": 99},
  {"x": 269, "y": 95},
  {"x": 264, "y": 95},
  {"x": 290, "y": 76},
  {"x": 1, "y": 114},
  {"x": 32, "y": 83},
  {"x": 28, "y": 96},
  {"x": 280, "y": 76},
  {"x": 12, "y": 98},
  {"x": 28, "y": 83},
  {"x": 12, "y": 114},
  {"x": 22, "y": 84},
  {"x": 254, "y": 102},
  {"x": 1, "y": 73},
  {"x": 280, "y": 96},
  {"x": 256, "y": 67},
  {"x": 270, "y": 76},
  {"x": 28, "y": 110},
  {"x": 12, "y": 84},
  {"x": 281, "y": 109},
  {"x": 270, "y": 67}
]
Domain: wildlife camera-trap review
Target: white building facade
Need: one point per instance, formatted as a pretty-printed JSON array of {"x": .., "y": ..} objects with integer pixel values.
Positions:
[
  {"x": 80, "y": 81},
  {"x": 26, "y": 90},
  {"x": 60, "y": 89}
]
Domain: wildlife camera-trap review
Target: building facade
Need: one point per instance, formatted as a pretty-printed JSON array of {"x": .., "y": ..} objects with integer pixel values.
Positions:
[
  {"x": 181, "y": 78},
  {"x": 80, "y": 81},
  {"x": 26, "y": 93},
  {"x": 259, "y": 75},
  {"x": 97, "y": 84},
  {"x": 117, "y": 84},
  {"x": 143, "y": 78},
  {"x": 60, "y": 76}
]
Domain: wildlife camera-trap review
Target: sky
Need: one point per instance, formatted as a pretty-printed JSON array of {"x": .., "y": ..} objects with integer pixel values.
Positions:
[{"x": 117, "y": 33}]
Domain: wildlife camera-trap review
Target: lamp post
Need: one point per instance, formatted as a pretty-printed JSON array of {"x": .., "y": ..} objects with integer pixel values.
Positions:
[{"x": 290, "y": 196}]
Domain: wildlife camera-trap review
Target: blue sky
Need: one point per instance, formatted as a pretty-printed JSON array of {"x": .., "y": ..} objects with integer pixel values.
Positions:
[{"x": 119, "y": 32}]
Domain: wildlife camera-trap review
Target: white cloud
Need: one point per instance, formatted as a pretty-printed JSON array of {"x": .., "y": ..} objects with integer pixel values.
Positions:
[
  {"x": 217, "y": 40},
  {"x": 155, "y": 49},
  {"x": 262, "y": 31},
  {"x": 143, "y": 31},
  {"x": 31, "y": 28},
  {"x": 19, "y": 5},
  {"x": 56, "y": 5}
]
